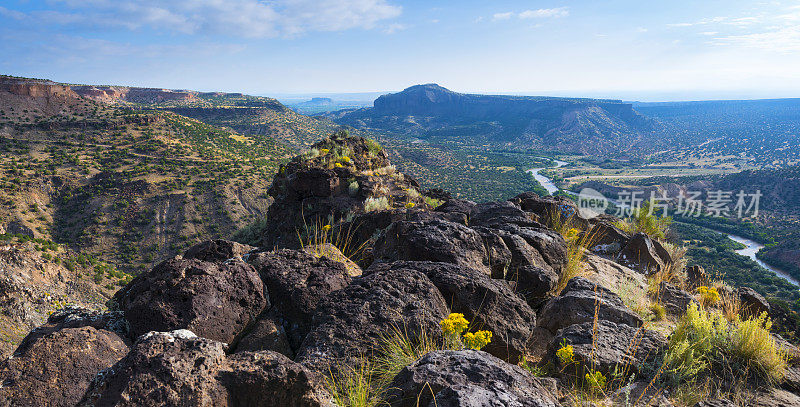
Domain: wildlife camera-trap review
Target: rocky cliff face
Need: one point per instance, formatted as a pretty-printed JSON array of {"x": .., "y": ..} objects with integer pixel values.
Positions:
[
  {"x": 431, "y": 111},
  {"x": 226, "y": 324},
  {"x": 116, "y": 94}
]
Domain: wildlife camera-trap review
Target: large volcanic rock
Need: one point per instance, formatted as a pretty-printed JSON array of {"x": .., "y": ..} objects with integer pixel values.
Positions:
[
  {"x": 640, "y": 254},
  {"x": 179, "y": 369},
  {"x": 311, "y": 191},
  {"x": 351, "y": 322},
  {"x": 435, "y": 240},
  {"x": 488, "y": 304},
  {"x": 549, "y": 248},
  {"x": 469, "y": 378},
  {"x": 580, "y": 301},
  {"x": 218, "y": 251},
  {"x": 606, "y": 346},
  {"x": 297, "y": 282},
  {"x": 215, "y": 300},
  {"x": 54, "y": 366}
]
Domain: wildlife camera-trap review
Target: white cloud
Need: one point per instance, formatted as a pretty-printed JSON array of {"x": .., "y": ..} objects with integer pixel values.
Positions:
[
  {"x": 545, "y": 13},
  {"x": 786, "y": 40},
  {"x": 240, "y": 18},
  {"x": 502, "y": 16},
  {"x": 393, "y": 28}
]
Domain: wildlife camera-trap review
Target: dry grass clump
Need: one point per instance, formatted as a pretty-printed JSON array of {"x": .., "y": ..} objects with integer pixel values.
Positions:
[
  {"x": 318, "y": 237},
  {"x": 376, "y": 204},
  {"x": 642, "y": 220},
  {"x": 706, "y": 347}
]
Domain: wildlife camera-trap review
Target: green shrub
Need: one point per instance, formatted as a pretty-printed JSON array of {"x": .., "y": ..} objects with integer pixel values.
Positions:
[
  {"x": 642, "y": 221},
  {"x": 376, "y": 204}
]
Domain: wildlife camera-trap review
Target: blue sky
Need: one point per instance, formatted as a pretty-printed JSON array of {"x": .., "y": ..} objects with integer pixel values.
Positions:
[{"x": 637, "y": 50}]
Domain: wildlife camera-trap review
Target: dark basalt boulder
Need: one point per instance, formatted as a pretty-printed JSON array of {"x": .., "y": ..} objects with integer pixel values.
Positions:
[
  {"x": 551, "y": 207},
  {"x": 674, "y": 300},
  {"x": 640, "y": 254},
  {"x": 488, "y": 304},
  {"x": 608, "y": 239},
  {"x": 79, "y": 317},
  {"x": 459, "y": 206},
  {"x": 534, "y": 284},
  {"x": 775, "y": 397},
  {"x": 350, "y": 322},
  {"x": 297, "y": 282},
  {"x": 179, "y": 369},
  {"x": 493, "y": 214},
  {"x": 266, "y": 334},
  {"x": 608, "y": 345},
  {"x": 215, "y": 300},
  {"x": 578, "y": 302},
  {"x": 550, "y": 245},
  {"x": 469, "y": 378},
  {"x": 434, "y": 240},
  {"x": 218, "y": 251},
  {"x": 499, "y": 255},
  {"x": 56, "y": 367},
  {"x": 752, "y": 302}
]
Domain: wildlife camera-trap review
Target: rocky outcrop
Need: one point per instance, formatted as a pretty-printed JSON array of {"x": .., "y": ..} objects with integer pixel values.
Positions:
[
  {"x": 218, "y": 251},
  {"x": 312, "y": 191},
  {"x": 752, "y": 303},
  {"x": 297, "y": 282},
  {"x": 469, "y": 378},
  {"x": 674, "y": 300},
  {"x": 178, "y": 368},
  {"x": 56, "y": 365},
  {"x": 608, "y": 239},
  {"x": 350, "y": 322},
  {"x": 580, "y": 301},
  {"x": 215, "y": 300},
  {"x": 640, "y": 254},
  {"x": 605, "y": 346},
  {"x": 488, "y": 304},
  {"x": 435, "y": 240}
]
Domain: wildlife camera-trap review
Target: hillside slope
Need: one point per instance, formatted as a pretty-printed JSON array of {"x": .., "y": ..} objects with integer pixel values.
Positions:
[{"x": 431, "y": 112}]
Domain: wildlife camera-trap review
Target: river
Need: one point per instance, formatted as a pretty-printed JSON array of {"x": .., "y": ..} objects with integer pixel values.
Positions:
[
  {"x": 750, "y": 251},
  {"x": 546, "y": 182}
]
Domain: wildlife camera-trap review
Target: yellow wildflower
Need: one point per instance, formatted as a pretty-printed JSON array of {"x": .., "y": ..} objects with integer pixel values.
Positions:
[
  {"x": 596, "y": 381},
  {"x": 326, "y": 228},
  {"x": 410, "y": 205},
  {"x": 454, "y": 324},
  {"x": 344, "y": 159},
  {"x": 324, "y": 151},
  {"x": 477, "y": 340},
  {"x": 565, "y": 354},
  {"x": 338, "y": 165}
]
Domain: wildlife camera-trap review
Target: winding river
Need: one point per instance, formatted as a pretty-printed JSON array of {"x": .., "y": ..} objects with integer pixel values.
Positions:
[
  {"x": 546, "y": 182},
  {"x": 749, "y": 251}
]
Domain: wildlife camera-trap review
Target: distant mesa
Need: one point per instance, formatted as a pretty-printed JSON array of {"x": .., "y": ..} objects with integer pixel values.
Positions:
[{"x": 568, "y": 124}]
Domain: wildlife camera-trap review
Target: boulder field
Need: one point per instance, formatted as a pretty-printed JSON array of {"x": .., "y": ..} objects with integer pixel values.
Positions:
[{"x": 230, "y": 324}]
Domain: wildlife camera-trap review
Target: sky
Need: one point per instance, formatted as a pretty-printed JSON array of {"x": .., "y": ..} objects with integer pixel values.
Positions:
[{"x": 629, "y": 49}]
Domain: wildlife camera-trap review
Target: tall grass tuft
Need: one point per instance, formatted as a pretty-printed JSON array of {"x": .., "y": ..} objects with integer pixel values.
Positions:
[
  {"x": 317, "y": 238},
  {"x": 642, "y": 220}
]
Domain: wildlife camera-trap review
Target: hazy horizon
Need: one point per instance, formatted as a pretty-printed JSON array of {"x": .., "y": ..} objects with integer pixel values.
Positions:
[{"x": 622, "y": 49}]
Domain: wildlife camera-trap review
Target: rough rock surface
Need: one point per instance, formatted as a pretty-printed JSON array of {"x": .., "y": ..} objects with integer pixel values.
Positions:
[
  {"x": 469, "y": 378},
  {"x": 297, "y": 282},
  {"x": 640, "y": 254},
  {"x": 57, "y": 367},
  {"x": 753, "y": 303},
  {"x": 674, "y": 299},
  {"x": 435, "y": 240},
  {"x": 218, "y": 251},
  {"x": 548, "y": 245},
  {"x": 534, "y": 284},
  {"x": 179, "y": 369},
  {"x": 608, "y": 345},
  {"x": 577, "y": 304},
  {"x": 214, "y": 300},
  {"x": 351, "y": 321},
  {"x": 608, "y": 239},
  {"x": 488, "y": 304}
]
